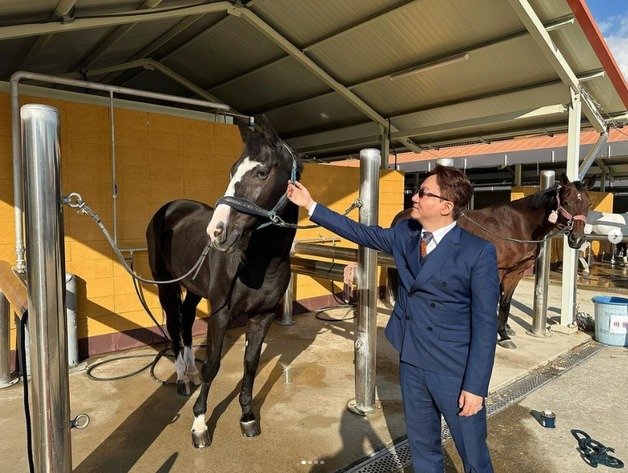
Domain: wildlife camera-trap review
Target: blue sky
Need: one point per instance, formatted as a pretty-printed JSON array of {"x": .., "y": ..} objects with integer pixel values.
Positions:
[{"x": 612, "y": 18}]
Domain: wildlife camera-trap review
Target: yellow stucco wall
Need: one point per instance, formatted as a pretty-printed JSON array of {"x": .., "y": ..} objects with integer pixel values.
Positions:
[
  {"x": 337, "y": 187},
  {"x": 159, "y": 158}
]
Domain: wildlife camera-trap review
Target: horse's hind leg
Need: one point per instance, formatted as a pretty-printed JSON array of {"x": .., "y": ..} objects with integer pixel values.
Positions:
[
  {"x": 188, "y": 314},
  {"x": 509, "y": 284},
  {"x": 256, "y": 330},
  {"x": 170, "y": 298},
  {"x": 216, "y": 329}
]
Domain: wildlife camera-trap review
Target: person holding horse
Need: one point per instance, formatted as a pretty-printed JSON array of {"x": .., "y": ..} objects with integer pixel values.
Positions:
[{"x": 444, "y": 321}]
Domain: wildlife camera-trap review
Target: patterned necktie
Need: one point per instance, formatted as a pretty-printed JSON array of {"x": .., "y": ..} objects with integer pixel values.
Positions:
[{"x": 425, "y": 240}]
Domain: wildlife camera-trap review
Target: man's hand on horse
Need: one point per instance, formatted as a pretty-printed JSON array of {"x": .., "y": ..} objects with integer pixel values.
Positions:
[
  {"x": 299, "y": 195},
  {"x": 469, "y": 403}
]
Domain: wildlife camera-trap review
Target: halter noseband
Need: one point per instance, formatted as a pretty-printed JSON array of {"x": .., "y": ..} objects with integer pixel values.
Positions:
[
  {"x": 250, "y": 208},
  {"x": 553, "y": 217}
]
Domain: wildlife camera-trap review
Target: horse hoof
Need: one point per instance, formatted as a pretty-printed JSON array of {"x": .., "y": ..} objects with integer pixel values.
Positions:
[
  {"x": 201, "y": 439},
  {"x": 509, "y": 344},
  {"x": 195, "y": 379},
  {"x": 250, "y": 428},
  {"x": 510, "y": 332},
  {"x": 183, "y": 388}
]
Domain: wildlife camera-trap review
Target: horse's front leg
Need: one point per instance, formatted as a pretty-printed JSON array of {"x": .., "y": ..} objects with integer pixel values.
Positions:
[
  {"x": 256, "y": 330},
  {"x": 216, "y": 329}
]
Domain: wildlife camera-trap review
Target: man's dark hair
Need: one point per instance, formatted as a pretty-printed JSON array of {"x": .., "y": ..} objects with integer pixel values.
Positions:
[{"x": 454, "y": 186}]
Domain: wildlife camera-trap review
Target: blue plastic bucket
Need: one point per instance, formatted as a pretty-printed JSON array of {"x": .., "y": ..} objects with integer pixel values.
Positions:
[{"x": 611, "y": 320}]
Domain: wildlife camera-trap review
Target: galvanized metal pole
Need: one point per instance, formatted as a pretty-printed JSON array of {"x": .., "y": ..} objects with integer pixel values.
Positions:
[
  {"x": 539, "y": 320},
  {"x": 366, "y": 333},
  {"x": 385, "y": 146},
  {"x": 45, "y": 265},
  {"x": 570, "y": 256},
  {"x": 5, "y": 364}
]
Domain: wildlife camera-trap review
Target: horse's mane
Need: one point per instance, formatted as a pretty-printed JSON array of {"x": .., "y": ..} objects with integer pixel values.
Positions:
[
  {"x": 547, "y": 198},
  {"x": 543, "y": 199}
]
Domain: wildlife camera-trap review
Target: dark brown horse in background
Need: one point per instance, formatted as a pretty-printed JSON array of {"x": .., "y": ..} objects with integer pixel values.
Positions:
[
  {"x": 246, "y": 271},
  {"x": 526, "y": 219}
]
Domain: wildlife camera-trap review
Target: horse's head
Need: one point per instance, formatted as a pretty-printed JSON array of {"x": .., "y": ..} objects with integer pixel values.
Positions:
[
  {"x": 259, "y": 177},
  {"x": 573, "y": 206}
]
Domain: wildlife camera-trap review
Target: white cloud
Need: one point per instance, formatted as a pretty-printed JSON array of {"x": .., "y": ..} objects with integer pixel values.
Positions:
[
  {"x": 619, "y": 48},
  {"x": 615, "y": 31}
]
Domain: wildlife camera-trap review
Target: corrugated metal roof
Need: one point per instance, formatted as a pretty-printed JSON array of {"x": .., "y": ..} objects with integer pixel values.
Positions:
[
  {"x": 480, "y": 154},
  {"x": 322, "y": 69}
]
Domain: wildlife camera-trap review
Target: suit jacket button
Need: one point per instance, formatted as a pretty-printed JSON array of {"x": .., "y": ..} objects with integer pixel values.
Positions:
[
  {"x": 407, "y": 317},
  {"x": 429, "y": 329},
  {"x": 432, "y": 305},
  {"x": 444, "y": 283}
]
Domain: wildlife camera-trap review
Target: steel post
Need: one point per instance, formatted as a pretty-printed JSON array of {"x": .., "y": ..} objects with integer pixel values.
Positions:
[
  {"x": 541, "y": 281},
  {"x": 366, "y": 330},
  {"x": 5, "y": 364},
  {"x": 45, "y": 265}
]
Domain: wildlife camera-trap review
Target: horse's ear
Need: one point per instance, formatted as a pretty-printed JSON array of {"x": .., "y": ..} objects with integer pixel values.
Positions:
[
  {"x": 564, "y": 180},
  {"x": 245, "y": 127},
  {"x": 264, "y": 123},
  {"x": 588, "y": 184}
]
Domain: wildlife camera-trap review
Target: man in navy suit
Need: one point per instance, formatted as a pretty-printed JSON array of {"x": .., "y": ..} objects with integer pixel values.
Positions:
[{"x": 444, "y": 323}]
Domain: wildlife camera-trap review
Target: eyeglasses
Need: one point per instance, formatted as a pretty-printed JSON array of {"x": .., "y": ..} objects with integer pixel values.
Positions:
[{"x": 423, "y": 193}]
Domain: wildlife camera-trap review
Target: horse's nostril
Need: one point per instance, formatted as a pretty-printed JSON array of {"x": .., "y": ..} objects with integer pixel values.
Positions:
[{"x": 220, "y": 232}]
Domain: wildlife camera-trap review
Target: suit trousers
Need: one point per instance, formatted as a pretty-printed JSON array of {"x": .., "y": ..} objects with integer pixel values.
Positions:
[{"x": 426, "y": 395}]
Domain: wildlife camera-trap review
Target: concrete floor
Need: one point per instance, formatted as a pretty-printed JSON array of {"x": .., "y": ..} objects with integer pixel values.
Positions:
[{"x": 304, "y": 383}]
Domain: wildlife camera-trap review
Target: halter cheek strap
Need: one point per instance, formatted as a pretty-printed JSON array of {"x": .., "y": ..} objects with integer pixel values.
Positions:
[{"x": 564, "y": 212}]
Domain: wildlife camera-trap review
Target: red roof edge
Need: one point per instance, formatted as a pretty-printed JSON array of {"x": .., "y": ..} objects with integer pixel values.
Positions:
[{"x": 594, "y": 35}]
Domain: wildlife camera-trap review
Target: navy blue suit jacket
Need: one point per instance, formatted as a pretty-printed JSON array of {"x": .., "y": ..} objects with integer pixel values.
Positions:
[{"x": 445, "y": 318}]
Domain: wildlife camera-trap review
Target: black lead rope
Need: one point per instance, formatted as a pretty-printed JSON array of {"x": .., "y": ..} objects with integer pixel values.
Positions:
[{"x": 593, "y": 452}]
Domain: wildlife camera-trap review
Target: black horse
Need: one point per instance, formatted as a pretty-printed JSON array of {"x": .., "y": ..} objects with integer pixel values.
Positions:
[
  {"x": 247, "y": 269},
  {"x": 531, "y": 218}
]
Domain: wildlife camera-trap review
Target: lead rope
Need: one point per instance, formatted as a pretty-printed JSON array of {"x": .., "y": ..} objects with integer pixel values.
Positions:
[
  {"x": 75, "y": 201},
  {"x": 547, "y": 237}
]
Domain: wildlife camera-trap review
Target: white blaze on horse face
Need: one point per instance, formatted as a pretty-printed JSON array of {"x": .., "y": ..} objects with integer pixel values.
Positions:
[{"x": 221, "y": 214}]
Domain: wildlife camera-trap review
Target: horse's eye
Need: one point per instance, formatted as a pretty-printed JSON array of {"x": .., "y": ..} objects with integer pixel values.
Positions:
[{"x": 261, "y": 174}]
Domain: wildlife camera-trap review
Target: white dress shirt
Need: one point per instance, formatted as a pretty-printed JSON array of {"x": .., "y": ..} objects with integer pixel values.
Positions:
[{"x": 437, "y": 236}]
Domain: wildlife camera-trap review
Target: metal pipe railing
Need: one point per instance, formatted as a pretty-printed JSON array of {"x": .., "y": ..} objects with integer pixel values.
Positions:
[
  {"x": 18, "y": 193},
  {"x": 45, "y": 265},
  {"x": 337, "y": 252}
]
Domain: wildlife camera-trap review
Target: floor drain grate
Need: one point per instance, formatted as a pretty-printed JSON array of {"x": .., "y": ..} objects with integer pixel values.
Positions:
[{"x": 397, "y": 457}]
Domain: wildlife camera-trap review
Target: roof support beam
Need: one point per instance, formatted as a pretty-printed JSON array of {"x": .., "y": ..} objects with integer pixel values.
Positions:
[
  {"x": 115, "y": 36},
  {"x": 193, "y": 40},
  {"x": 150, "y": 65},
  {"x": 479, "y": 121},
  {"x": 159, "y": 42},
  {"x": 38, "y": 29},
  {"x": 371, "y": 19},
  {"x": 592, "y": 155},
  {"x": 304, "y": 60},
  {"x": 533, "y": 24},
  {"x": 64, "y": 7},
  {"x": 474, "y": 48}
]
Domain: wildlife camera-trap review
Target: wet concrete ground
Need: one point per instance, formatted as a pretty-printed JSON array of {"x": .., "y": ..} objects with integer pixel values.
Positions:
[
  {"x": 305, "y": 380},
  {"x": 590, "y": 397}
]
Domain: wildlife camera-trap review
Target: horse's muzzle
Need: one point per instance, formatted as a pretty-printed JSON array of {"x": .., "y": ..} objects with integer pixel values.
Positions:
[{"x": 575, "y": 242}]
